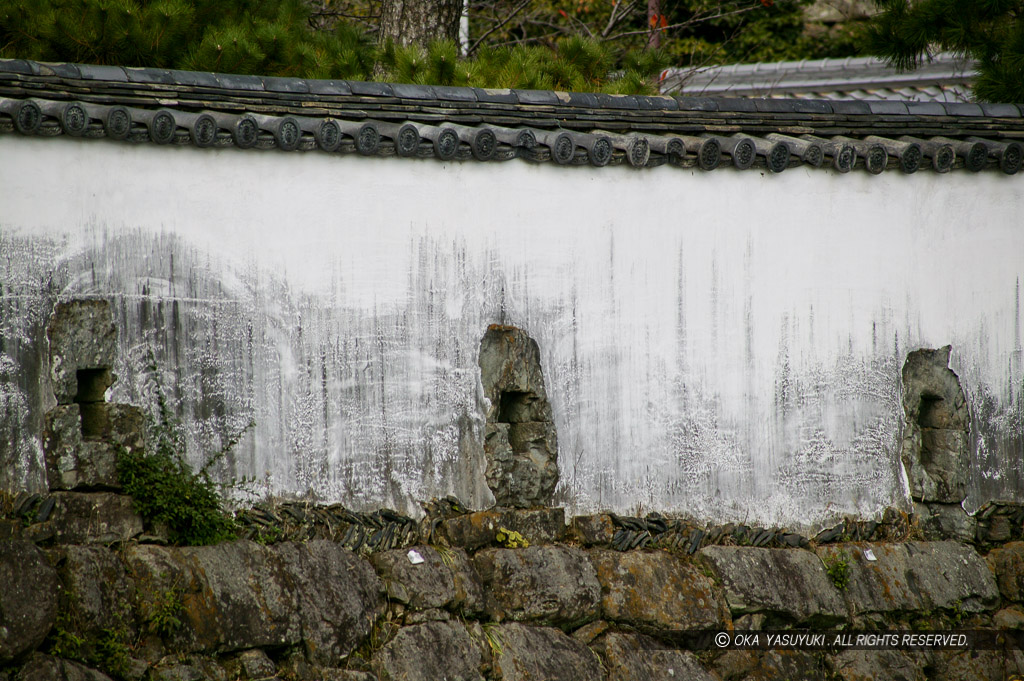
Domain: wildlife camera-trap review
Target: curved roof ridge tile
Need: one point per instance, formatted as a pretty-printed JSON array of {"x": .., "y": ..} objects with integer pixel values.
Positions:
[{"x": 459, "y": 124}]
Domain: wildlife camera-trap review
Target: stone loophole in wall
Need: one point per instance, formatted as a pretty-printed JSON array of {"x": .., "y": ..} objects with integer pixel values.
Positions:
[
  {"x": 936, "y": 429},
  {"x": 92, "y": 388},
  {"x": 520, "y": 443}
]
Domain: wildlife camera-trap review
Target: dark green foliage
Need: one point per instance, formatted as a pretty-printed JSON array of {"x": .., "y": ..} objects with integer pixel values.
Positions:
[
  {"x": 576, "y": 64},
  {"x": 166, "y": 491},
  {"x": 989, "y": 31},
  {"x": 242, "y": 36},
  {"x": 292, "y": 38}
]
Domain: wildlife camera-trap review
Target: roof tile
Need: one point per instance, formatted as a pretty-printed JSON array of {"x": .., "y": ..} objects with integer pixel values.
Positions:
[
  {"x": 496, "y": 95},
  {"x": 148, "y": 75},
  {"x": 926, "y": 108},
  {"x": 884, "y": 107},
  {"x": 964, "y": 109},
  {"x": 329, "y": 87},
  {"x": 584, "y": 99},
  {"x": 274, "y": 84},
  {"x": 850, "y": 107},
  {"x": 630, "y": 119},
  {"x": 410, "y": 91},
  {"x": 736, "y": 104},
  {"x": 1001, "y": 110},
  {"x": 194, "y": 78},
  {"x": 536, "y": 96},
  {"x": 657, "y": 103},
  {"x": 370, "y": 89},
  {"x": 236, "y": 82},
  {"x": 455, "y": 94},
  {"x": 19, "y": 66},
  {"x": 616, "y": 101},
  {"x": 95, "y": 72},
  {"x": 697, "y": 103}
]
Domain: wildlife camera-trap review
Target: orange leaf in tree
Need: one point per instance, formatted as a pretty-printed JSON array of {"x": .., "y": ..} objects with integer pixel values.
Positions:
[
  {"x": 664, "y": 21},
  {"x": 653, "y": 20},
  {"x": 562, "y": 12},
  {"x": 767, "y": 3}
]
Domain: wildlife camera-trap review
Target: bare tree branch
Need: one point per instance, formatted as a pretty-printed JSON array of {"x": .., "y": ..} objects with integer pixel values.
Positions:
[
  {"x": 682, "y": 24},
  {"x": 518, "y": 8}
]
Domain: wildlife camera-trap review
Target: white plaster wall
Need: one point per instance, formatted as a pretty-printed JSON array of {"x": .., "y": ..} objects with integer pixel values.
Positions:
[{"x": 724, "y": 343}]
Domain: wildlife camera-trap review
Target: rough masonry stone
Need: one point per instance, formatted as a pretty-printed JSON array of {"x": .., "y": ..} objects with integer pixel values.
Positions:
[
  {"x": 533, "y": 653},
  {"x": 1007, "y": 564},
  {"x": 97, "y": 518},
  {"x": 939, "y": 522},
  {"x": 789, "y": 584},
  {"x": 430, "y": 651},
  {"x": 82, "y": 339},
  {"x": 96, "y": 591},
  {"x": 657, "y": 590},
  {"x": 40, "y": 667},
  {"x": 74, "y": 461},
  {"x": 242, "y": 595},
  {"x": 553, "y": 585},
  {"x": 28, "y": 598},
  {"x": 914, "y": 576},
  {"x": 635, "y": 657},
  {"x": 474, "y": 530},
  {"x": 438, "y": 582}
]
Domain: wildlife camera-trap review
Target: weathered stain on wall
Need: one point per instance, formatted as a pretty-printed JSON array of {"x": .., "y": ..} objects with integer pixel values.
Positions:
[{"x": 723, "y": 344}]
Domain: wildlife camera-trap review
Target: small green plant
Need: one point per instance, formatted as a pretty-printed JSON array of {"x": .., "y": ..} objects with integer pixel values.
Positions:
[
  {"x": 268, "y": 535},
  {"x": 510, "y": 539},
  {"x": 493, "y": 636},
  {"x": 64, "y": 642},
  {"x": 109, "y": 649},
  {"x": 446, "y": 555},
  {"x": 111, "y": 652},
  {"x": 166, "y": 612},
  {"x": 957, "y": 613},
  {"x": 838, "y": 570},
  {"x": 166, "y": 491}
]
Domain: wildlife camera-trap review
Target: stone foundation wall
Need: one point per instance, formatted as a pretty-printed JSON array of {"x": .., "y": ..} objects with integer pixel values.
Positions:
[{"x": 79, "y": 604}]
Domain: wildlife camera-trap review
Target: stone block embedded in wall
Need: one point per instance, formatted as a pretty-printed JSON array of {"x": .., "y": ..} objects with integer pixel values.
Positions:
[
  {"x": 657, "y": 591},
  {"x": 28, "y": 598},
  {"x": 553, "y": 585},
  {"x": 935, "y": 434},
  {"x": 914, "y": 576},
  {"x": 591, "y": 530},
  {"x": 1007, "y": 564},
  {"x": 635, "y": 657},
  {"x": 865, "y": 665},
  {"x": 40, "y": 667},
  {"x": 74, "y": 461},
  {"x": 529, "y": 653},
  {"x": 83, "y": 345},
  {"x": 430, "y": 651},
  {"x": 438, "y": 582},
  {"x": 475, "y": 530},
  {"x": 773, "y": 665},
  {"x": 242, "y": 595},
  {"x": 97, "y": 594},
  {"x": 97, "y": 518},
  {"x": 789, "y": 585},
  {"x": 520, "y": 442},
  {"x": 939, "y": 522}
]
